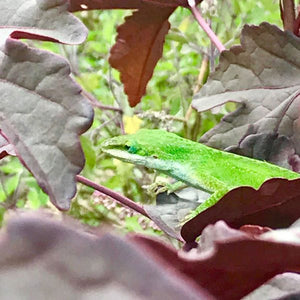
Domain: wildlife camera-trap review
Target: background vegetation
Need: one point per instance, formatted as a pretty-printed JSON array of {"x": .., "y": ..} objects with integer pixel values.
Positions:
[{"x": 188, "y": 58}]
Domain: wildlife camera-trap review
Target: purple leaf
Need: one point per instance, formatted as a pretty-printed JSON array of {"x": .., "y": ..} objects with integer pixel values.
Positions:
[
  {"x": 171, "y": 209},
  {"x": 263, "y": 76},
  {"x": 43, "y": 20},
  {"x": 281, "y": 286},
  {"x": 78, "y": 5},
  {"x": 42, "y": 115},
  {"x": 230, "y": 263},
  {"x": 41, "y": 259}
]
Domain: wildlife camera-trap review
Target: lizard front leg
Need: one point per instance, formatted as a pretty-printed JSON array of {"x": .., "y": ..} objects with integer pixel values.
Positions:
[
  {"x": 219, "y": 189},
  {"x": 212, "y": 200}
]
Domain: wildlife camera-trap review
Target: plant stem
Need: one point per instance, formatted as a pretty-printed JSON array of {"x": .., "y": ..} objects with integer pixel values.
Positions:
[
  {"x": 205, "y": 26},
  {"x": 116, "y": 196},
  {"x": 97, "y": 104},
  {"x": 287, "y": 12}
]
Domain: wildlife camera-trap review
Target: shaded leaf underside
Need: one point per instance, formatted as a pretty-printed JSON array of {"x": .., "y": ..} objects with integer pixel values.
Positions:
[{"x": 171, "y": 209}]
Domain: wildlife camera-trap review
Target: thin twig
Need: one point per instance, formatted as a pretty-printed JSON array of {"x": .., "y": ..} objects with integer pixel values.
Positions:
[
  {"x": 199, "y": 84},
  {"x": 112, "y": 90},
  {"x": 105, "y": 123},
  {"x": 122, "y": 127},
  {"x": 116, "y": 196},
  {"x": 212, "y": 66},
  {"x": 205, "y": 26},
  {"x": 201, "y": 76},
  {"x": 97, "y": 104},
  {"x": 3, "y": 185}
]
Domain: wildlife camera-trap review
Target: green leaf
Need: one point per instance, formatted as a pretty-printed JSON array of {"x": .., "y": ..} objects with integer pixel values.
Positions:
[
  {"x": 12, "y": 183},
  {"x": 33, "y": 199},
  {"x": 89, "y": 152}
]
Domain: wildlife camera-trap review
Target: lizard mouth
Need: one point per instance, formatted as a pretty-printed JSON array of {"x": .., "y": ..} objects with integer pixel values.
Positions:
[
  {"x": 119, "y": 150},
  {"x": 109, "y": 148},
  {"x": 123, "y": 154}
]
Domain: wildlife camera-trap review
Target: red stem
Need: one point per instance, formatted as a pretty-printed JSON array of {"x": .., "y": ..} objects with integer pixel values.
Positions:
[
  {"x": 205, "y": 26},
  {"x": 116, "y": 196},
  {"x": 297, "y": 25}
]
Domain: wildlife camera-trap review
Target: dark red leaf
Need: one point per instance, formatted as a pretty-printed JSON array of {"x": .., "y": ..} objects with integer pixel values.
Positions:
[
  {"x": 275, "y": 204},
  {"x": 230, "y": 263},
  {"x": 139, "y": 47},
  {"x": 76, "y": 5},
  {"x": 140, "y": 39}
]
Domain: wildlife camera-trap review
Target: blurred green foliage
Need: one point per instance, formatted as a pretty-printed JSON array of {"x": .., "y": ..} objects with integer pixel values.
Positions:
[{"x": 166, "y": 105}]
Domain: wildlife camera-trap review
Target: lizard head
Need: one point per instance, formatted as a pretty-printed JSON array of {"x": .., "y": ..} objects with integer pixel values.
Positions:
[{"x": 151, "y": 148}]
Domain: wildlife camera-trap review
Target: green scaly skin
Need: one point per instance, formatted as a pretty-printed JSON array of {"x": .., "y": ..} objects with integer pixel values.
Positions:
[{"x": 193, "y": 163}]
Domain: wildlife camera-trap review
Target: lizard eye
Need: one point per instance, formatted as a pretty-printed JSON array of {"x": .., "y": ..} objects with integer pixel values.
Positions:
[
  {"x": 127, "y": 147},
  {"x": 154, "y": 156},
  {"x": 131, "y": 149}
]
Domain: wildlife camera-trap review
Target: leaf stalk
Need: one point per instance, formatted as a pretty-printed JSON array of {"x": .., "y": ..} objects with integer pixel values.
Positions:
[
  {"x": 116, "y": 196},
  {"x": 197, "y": 15}
]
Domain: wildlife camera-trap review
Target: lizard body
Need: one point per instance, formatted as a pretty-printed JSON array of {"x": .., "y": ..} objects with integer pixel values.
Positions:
[{"x": 193, "y": 163}]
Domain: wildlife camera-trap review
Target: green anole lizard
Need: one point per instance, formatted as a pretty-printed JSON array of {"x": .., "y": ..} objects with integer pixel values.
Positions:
[{"x": 193, "y": 163}]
